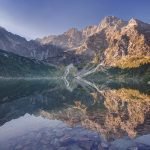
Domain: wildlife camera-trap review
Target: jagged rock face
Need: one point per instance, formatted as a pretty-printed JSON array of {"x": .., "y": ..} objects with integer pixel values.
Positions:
[
  {"x": 12, "y": 65},
  {"x": 112, "y": 40},
  {"x": 88, "y": 31},
  {"x": 33, "y": 49},
  {"x": 132, "y": 40},
  {"x": 115, "y": 39},
  {"x": 70, "y": 39},
  {"x": 111, "y": 22},
  {"x": 74, "y": 38},
  {"x": 98, "y": 42},
  {"x": 13, "y": 43}
]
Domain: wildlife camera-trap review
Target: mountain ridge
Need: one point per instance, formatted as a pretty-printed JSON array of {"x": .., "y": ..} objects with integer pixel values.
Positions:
[
  {"x": 111, "y": 41},
  {"x": 12, "y": 65}
]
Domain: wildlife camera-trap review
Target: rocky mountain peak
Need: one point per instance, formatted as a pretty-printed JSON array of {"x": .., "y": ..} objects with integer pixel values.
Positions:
[
  {"x": 46, "y": 39},
  {"x": 138, "y": 23},
  {"x": 72, "y": 32},
  {"x": 112, "y": 40},
  {"x": 111, "y": 21},
  {"x": 133, "y": 21},
  {"x": 89, "y": 30},
  {"x": 1, "y": 28}
]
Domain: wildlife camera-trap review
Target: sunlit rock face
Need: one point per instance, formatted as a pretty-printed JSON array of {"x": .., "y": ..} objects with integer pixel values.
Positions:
[
  {"x": 131, "y": 42},
  {"x": 69, "y": 39},
  {"x": 114, "y": 41},
  {"x": 123, "y": 112},
  {"x": 117, "y": 41}
]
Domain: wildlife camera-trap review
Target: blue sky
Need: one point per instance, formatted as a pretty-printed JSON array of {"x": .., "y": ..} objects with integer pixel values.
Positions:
[{"x": 38, "y": 18}]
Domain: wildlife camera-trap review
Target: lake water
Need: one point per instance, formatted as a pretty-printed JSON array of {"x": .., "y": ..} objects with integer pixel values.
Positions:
[{"x": 78, "y": 115}]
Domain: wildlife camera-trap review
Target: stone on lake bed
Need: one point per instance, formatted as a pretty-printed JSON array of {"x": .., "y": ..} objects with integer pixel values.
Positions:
[
  {"x": 104, "y": 145},
  {"x": 122, "y": 144},
  {"x": 18, "y": 147},
  {"x": 44, "y": 141},
  {"x": 145, "y": 139},
  {"x": 62, "y": 148},
  {"x": 59, "y": 134}
]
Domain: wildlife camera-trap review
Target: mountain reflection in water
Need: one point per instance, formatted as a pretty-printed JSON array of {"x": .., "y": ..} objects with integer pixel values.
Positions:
[{"x": 112, "y": 112}]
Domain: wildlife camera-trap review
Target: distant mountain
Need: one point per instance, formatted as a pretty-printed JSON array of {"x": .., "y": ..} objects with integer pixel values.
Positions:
[
  {"x": 12, "y": 65},
  {"x": 74, "y": 38},
  {"x": 32, "y": 49},
  {"x": 125, "y": 46},
  {"x": 70, "y": 39},
  {"x": 113, "y": 42},
  {"x": 14, "y": 43}
]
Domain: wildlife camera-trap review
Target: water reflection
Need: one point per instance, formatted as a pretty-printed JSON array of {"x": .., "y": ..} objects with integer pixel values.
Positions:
[
  {"x": 115, "y": 113},
  {"x": 112, "y": 111},
  {"x": 36, "y": 133}
]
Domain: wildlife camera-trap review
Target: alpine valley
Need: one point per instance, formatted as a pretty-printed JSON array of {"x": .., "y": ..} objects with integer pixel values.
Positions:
[
  {"x": 112, "y": 43},
  {"x": 84, "y": 89}
]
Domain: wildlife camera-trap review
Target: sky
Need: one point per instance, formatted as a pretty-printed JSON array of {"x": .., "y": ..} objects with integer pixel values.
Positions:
[{"x": 39, "y": 18}]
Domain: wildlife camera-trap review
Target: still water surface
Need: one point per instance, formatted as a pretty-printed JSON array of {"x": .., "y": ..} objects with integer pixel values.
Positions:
[{"x": 48, "y": 115}]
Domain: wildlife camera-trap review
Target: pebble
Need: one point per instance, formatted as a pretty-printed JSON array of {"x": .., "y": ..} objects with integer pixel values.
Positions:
[
  {"x": 74, "y": 147},
  {"x": 43, "y": 141},
  {"x": 133, "y": 148},
  {"x": 18, "y": 147},
  {"x": 38, "y": 135},
  {"x": 145, "y": 139},
  {"x": 104, "y": 145},
  {"x": 59, "y": 134},
  {"x": 62, "y": 148}
]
